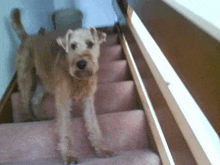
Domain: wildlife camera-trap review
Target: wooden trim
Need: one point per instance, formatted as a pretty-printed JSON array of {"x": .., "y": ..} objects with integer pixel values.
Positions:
[
  {"x": 123, "y": 4},
  {"x": 205, "y": 24},
  {"x": 5, "y": 104},
  {"x": 158, "y": 135},
  {"x": 8, "y": 92},
  {"x": 53, "y": 21},
  {"x": 194, "y": 145}
]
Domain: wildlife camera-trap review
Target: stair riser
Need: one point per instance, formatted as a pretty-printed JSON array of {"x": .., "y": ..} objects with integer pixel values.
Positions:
[
  {"x": 110, "y": 53},
  {"x": 110, "y": 40},
  {"x": 108, "y": 98},
  {"x": 114, "y": 72}
]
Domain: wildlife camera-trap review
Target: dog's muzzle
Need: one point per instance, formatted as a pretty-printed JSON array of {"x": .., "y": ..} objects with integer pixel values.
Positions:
[{"x": 83, "y": 74}]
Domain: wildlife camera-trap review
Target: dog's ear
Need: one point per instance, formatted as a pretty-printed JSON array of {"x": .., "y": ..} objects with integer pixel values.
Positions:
[
  {"x": 99, "y": 36},
  {"x": 93, "y": 31},
  {"x": 63, "y": 41}
]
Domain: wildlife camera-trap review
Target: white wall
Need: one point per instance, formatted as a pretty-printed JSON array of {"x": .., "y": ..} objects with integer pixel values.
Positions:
[
  {"x": 96, "y": 13},
  {"x": 36, "y": 14},
  {"x": 32, "y": 20}
]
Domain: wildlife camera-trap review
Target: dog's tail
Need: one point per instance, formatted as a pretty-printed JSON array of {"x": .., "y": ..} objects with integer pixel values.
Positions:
[{"x": 17, "y": 25}]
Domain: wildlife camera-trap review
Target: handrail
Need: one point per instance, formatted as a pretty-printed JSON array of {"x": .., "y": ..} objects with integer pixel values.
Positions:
[
  {"x": 123, "y": 4},
  {"x": 158, "y": 135},
  {"x": 201, "y": 156}
]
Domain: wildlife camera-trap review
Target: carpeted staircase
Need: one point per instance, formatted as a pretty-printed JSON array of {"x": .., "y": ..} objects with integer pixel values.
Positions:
[{"x": 120, "y": 115}]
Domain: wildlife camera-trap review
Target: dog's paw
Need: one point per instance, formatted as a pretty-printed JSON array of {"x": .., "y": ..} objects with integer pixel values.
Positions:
[
  {"x": 26, "y": 117},
  {"x": 39, "y": 112},
  {"x": 43, "y": 117},
  {"x": 69, "y": 159},
  {"x": 105, "y": 153},
  {"x": 40, "y": 115}
]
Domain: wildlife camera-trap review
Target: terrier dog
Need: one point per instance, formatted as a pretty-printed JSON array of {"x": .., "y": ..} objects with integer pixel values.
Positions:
[{"x": 67, "y": 68}]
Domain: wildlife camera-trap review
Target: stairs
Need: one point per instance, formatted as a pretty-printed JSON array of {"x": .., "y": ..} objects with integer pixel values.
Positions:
[{"x": 120, "y": 115}]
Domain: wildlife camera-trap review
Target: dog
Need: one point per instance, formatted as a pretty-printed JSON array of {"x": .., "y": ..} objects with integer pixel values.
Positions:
[{"x": 66, "y": 68}]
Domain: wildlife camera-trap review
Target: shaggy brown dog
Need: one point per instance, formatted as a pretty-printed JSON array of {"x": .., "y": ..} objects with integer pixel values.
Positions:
[{"x": 67, "y": 68}]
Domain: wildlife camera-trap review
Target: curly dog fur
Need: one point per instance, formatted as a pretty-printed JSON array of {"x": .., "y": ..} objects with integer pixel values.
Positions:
[{"x": 66, "y": 68}]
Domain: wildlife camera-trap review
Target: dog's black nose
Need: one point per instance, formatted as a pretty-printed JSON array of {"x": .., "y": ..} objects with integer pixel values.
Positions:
[{"x": 81, "y": 64}]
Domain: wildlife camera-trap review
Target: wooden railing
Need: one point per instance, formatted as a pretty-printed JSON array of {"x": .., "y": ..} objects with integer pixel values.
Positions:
[
  {"x": 148, "y": 108},
  {"x": 189, "y": 129},
  {"x": 5, "y": 102}
]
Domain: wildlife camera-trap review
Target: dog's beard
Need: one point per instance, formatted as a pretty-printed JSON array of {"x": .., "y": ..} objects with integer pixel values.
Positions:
[{"x": 83, "y": 74}]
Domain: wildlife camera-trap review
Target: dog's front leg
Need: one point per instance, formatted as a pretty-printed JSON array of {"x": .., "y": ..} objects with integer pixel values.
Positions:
[
  {"x": 63, "y": 105},
  {"x": 95, "y": 135}
]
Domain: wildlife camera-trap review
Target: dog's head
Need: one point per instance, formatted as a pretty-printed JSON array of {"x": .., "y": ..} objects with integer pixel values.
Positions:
[{"x": 82, "y": 47}]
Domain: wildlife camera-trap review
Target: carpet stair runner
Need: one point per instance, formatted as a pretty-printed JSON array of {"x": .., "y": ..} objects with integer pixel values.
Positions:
[{"x": 120, "y": 115}]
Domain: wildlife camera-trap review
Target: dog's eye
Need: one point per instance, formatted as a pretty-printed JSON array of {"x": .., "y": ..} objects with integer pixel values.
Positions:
[
  {"x": 73, "y": 46},
  {"x": 89, "y": 44}
]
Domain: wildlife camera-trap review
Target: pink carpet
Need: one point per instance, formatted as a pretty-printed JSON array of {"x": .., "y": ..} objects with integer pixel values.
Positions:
[{"x": 118, "y": 107}]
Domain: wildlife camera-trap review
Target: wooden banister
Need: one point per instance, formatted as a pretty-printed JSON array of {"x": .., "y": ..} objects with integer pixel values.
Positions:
[
  {"x": 159, "y": 138},
  {"x": 195, "y": 143}
]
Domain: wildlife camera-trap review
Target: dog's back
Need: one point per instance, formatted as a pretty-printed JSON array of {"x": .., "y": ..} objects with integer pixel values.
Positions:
[
  {"x": 46, "y": 54},
  {"x": 39, "y": 51}
]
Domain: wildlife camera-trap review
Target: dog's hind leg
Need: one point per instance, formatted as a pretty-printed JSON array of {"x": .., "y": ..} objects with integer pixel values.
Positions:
[
  {"x": 95, "y": 135},
  {"x": 63, "y": 106},
  {"x": 37, "y": 100},
  {"x": 25, "y": 82}
]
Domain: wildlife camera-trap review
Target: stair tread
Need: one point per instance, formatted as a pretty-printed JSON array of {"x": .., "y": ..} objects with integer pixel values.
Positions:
[
  {"x": 35, "y": 140},
  {"x": 136, "y": 157},
  {"x": 110, "y": 97}
]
